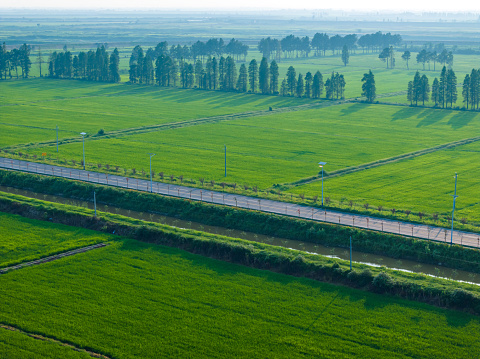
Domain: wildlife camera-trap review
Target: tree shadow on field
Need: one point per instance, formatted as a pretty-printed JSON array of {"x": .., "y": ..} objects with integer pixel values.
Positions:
[
  {"x": 405, "y": 113},
  {"x": 461, "y": 119},
  {"x": 430, "y": 117},
  {"x": 353, "y": 108}
]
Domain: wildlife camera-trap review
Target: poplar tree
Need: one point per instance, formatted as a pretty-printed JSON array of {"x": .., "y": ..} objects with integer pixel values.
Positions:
[
  {"x": 436, "y": 91},
  {"x": 406, "y": 56},
  {"x": 242, "y": 82},
  {"x": 114, "y": 66},
  {"x": 300, "y": 86},
  {"x": 274, "y": 77},
  {"x": 424, "y": 90},
  {"x": 263, "y": 77},
  {"x": 317, "y": 85},
  {"x": 451, "y": 88},
  {"x": 253, "y": 75},
  {"x": 368, "y": 87},
  {"x": 410, "y": 92},
  {"x": 308, "y": 84},
  {"x": 345, "y": 55},
  {"x": 443, "y": 86},
  {"x": 466, "y": 90},
  {"x": 291, "y": 80}
]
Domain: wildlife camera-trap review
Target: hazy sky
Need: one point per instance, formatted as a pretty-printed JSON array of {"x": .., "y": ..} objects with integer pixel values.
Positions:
[{"x": 405, "y": 5}]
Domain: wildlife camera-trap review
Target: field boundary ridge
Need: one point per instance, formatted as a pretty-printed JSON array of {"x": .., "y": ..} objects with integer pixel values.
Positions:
[
  {"x": 53, "y": 257},
  {"x": 52, "y": 340},
  {"x": 369, "y": 165}
]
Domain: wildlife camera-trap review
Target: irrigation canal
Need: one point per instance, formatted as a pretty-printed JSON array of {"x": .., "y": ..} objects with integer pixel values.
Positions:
[
  {"x": 265, "y": 205},
  {"x": 335, "y": 252}
]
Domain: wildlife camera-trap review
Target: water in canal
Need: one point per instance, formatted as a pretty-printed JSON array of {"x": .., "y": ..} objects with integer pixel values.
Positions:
[{"x": 342, "y": 253}]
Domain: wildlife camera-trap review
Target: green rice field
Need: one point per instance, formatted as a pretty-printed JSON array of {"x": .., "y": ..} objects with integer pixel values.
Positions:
[
  {"x": 23, "y": 240},
  {"x": 133, "y": 299}
]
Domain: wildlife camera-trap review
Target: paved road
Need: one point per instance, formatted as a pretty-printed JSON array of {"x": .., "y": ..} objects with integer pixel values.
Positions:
[{"x": 265, "y": 205}]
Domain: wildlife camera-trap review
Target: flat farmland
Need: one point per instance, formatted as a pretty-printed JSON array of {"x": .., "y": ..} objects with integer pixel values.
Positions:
[
  {"x": 23, "y": 239},
  {"x": 78, "y": 106},
  {"x": 133, "y": 299},
  {"x": 280, "y": 148},
  {"x": 424, "y": 183}
]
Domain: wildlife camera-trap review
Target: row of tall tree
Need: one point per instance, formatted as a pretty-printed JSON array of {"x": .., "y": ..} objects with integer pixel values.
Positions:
[
  {"x": 11, "y": 60},
  {"x": 199, "y": 50},
  {"x": 443, "y": 90},
  {"x": 293, "y": 46},
  {"x": 92, "y": 65},
  {"x": 222, "y": 75}
]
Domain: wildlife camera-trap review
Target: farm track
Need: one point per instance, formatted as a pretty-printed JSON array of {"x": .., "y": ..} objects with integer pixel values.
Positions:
[
  {"x": 369, "y": 165},
  {"x": 52, "y": 258},
  {"x": 188, "y": 123},
  {"x": 52, "y": 340}
]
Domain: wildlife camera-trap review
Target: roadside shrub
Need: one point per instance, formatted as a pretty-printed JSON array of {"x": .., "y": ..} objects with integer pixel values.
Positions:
[
  {"x": 382, "y": 282},
  {"x": 461, "y": 298}
]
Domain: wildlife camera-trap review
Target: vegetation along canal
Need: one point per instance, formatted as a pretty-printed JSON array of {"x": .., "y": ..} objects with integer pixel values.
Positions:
[{"x": 337, "y": 252}]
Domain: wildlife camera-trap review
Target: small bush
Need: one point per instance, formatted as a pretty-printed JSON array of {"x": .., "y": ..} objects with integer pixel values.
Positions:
[{"x": 382, "y": 282}]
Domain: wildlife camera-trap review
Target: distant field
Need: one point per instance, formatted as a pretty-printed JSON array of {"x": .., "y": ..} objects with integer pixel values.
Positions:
[
  {"x": 23, "y": 239},
  {"x": 133, "y": 299},
  {"x": 282, "y": 147},
  {"x": 424, "y": 184}
]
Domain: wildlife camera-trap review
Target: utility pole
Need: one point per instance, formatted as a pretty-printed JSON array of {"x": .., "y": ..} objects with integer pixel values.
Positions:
[{"x": 453, "y": 210}]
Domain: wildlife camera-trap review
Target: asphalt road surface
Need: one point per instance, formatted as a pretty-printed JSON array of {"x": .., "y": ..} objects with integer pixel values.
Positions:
[{"x": 265, "y": 205}]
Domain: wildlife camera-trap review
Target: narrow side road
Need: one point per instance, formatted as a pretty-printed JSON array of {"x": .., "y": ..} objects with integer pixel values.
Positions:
[{"x": 265, "y": 205}]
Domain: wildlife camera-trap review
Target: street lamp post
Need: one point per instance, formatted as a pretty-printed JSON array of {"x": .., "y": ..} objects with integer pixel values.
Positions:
[
  {"x": 151, "y": 177},
  {"x": 83, "y": 141},
  {"x": 321, "y": 164},
  {"x": 453, "y": 210}
]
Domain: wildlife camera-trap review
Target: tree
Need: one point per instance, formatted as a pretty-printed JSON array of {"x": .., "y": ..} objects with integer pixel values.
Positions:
[
  {"x": 198, "y": 73},
  {"x": 317, "y": 85},
  {"x": 253, "y": 75},
  {"x": 436, "y": 91},
  {"x": 443, "y": 86},
  {"x": 263, "y": 77},
  {"x": 416, "y": 88},
  {"x": 405, "y": 57},
  {"x": 422, "y": 57},
  {"x": 114, "y": 64},
  {"x": 300, "y": 86},
  {"x": 274, "y": 77},
  {"x": 466, "y": 90},
  {"x": 284, "y": 88},
  {"x": 291, "y": 80},
  {"x": 242, "y": 82},
  {"x": 308, "y": 84},
  {"x": 345, "y": 55},
  {"x": 230, "y": 74},
  {"x": 451, "y": 88},
  {"x": 385, "y": 55},
  {"x": 474, "y": 89},
  {"x": 424, "y": 90},
  {"x": 368, "y": 87},
  {"x": 410, "y": 92}
]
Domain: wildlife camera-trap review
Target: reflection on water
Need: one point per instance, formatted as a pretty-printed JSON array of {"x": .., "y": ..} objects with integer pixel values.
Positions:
[{"x": 336, "y": 252}]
